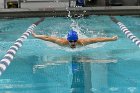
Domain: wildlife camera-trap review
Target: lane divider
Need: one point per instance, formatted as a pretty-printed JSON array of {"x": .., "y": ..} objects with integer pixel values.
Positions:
[
  {"x": 5, "y": 62},
  {"x": 128, "y": 33}
]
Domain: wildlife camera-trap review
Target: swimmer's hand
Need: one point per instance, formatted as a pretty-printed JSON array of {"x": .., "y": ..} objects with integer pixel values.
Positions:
[
  {"x": 33, "y": 34},
  {"x": 115, "y": 38},
  {"x": 43, "y": 37}
]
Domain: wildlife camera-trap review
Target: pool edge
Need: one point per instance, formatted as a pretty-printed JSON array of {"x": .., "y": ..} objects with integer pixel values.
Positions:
[{"x": 63, "y": 12}]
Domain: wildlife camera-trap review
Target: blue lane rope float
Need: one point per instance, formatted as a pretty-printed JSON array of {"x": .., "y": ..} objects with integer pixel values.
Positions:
[
  {"x": 128, "y": 33},
  {"x": 5, "y": 62}
]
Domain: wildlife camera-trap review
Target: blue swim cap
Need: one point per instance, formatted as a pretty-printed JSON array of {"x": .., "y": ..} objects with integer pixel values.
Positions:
[{"x": 72, "y": 35}]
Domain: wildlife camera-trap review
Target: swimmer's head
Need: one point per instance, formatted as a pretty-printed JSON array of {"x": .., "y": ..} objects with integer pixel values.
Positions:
[{"x": 72, "y": 37}]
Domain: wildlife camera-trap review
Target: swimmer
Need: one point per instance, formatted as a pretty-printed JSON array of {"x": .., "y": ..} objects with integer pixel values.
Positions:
[{"x": 72, "y": 39}]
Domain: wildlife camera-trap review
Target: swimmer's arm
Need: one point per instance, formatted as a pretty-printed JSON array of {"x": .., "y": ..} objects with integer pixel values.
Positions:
[
  {"x": 95, "y": 40},
  {"x": 59, "y": 41},
  {"x": 43, "y": 37}
]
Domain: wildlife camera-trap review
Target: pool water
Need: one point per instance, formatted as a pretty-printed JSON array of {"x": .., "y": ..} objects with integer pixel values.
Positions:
[{"x": 43, "y": 67}]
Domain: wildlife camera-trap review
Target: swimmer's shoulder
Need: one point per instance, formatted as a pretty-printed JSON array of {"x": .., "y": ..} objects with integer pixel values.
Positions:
[
  {"x": 62, "y": 41},
  {"x": 81, "y": 42}
]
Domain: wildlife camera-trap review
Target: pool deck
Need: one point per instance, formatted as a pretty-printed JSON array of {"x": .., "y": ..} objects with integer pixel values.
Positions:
[{"x": 63, "y": 11}]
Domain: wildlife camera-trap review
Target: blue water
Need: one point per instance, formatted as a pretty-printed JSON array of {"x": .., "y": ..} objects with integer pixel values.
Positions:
[{"x": 43, "y": 67}]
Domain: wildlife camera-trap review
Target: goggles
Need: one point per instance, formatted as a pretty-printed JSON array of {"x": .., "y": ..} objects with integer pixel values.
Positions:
[{"x": 72, "y": 41}]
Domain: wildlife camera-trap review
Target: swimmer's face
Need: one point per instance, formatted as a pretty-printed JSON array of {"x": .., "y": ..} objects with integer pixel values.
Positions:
[{"x": 72, "y": 43}]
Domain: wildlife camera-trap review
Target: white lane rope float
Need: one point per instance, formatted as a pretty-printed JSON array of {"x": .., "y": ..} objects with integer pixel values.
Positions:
[
  {"x": 5, "y": 62},
  {"x": 128, "y": 33}
]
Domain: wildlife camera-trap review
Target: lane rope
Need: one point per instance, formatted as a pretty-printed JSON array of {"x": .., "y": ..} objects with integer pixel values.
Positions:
[
  {"x": 6, "y": 60},
  {"x": 128, "y": 33}
]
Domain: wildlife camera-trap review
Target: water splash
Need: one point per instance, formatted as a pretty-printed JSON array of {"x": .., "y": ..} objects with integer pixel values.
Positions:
[
  {"x": 76, "y": 27},
  {"x": 69, "y": 14}
]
